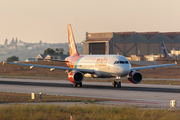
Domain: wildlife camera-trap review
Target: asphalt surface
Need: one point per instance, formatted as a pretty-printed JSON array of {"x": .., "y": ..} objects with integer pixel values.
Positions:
[{"x": 147, "y": 95}]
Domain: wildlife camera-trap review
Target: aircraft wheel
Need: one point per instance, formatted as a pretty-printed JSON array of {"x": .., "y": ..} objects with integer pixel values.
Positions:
[
  {"x": 75, "y": 84},
  {"x": 119, "y": 85},
  {"x": 114, "y": 83},
  {"x": 80, "y": 84}
]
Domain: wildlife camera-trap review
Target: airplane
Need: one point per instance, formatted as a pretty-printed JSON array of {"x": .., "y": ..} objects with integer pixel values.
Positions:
[
  {"x": 97, "y": 66},
  {"x": 166, "y": 54}
]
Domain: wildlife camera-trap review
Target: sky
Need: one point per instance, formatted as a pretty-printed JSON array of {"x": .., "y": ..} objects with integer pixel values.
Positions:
[{"x": 46, "y": 20}]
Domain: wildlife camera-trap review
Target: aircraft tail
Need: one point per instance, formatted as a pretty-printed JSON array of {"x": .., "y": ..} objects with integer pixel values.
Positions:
[
  {"x": 72, "y": 45},
  {"x": 166, "y": 55}
]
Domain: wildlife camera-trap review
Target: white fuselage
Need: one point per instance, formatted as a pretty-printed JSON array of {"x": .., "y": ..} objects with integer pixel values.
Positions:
[{"x": 104, "y": 65}]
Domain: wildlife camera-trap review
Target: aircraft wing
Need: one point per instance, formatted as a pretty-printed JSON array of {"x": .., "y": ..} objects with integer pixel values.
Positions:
[
  {"x": 54, "y": 67},
  {"x": 153, "y": 66}
]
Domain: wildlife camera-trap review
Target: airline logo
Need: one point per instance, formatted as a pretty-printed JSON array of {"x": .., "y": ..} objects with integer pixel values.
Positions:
[{"x": 101, "y": 62}]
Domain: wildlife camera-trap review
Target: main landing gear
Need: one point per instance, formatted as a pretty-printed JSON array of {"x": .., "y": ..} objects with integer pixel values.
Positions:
[
  {"x": 77, "y": 84},
  {"x": 116, "y": 83}
]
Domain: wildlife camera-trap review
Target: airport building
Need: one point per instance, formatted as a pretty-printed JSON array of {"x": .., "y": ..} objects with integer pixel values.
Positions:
[{"x": 130, "y": 43}]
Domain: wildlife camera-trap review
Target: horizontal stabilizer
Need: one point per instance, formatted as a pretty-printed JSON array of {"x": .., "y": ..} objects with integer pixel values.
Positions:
[{"x": 57, "y": 60}]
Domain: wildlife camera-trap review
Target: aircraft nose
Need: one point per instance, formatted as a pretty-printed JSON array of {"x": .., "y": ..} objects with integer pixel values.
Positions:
[
  {"x": 123, "y": 70},
  {"x": 126, "y": 70}
]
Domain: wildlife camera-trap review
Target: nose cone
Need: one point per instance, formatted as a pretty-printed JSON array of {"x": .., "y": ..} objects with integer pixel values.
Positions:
[
  {"x": 121, "y": 65},
  {"x": 126, "y": 70}
]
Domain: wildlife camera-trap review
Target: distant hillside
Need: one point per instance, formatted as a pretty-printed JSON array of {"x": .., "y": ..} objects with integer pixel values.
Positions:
[{"x": 31, "y": 50}]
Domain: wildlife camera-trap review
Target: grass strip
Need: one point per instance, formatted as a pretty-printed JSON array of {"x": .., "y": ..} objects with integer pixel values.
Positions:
[
  {"x": 84, "y": 112},
  {"x": 10, "y": 97}
]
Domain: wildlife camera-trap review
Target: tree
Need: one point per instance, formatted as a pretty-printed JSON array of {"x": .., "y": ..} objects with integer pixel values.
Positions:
[
  {"x": 49, "y": 51},
  {"x": 12, "y": 59},
  {"x": 59, "y": 51}
]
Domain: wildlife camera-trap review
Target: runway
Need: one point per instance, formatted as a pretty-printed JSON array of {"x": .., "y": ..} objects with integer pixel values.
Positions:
[{"x": 136, "y": 94}]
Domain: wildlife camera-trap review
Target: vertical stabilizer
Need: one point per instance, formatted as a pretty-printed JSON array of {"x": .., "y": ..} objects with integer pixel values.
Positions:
[
  {"x": 166, "y": 55},
  {"x": 72, "y": 45}
]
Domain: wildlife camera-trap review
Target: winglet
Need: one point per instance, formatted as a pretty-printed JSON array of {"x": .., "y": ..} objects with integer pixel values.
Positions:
[
  {"x": 31, "y": 67},
  {"x": 3, "y": 62},
  {"x": 175, "y": 63}
]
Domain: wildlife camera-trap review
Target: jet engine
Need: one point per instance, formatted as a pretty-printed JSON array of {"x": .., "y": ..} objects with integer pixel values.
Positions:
[
  {"x": 135, "y": 77},
  {"x": 75, "y": 76}
]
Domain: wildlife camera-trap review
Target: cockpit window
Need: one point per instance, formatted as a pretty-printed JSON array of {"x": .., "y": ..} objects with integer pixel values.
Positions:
[
  {"x": 126, "y": 62},
  {"x": 121, "y": 62}
]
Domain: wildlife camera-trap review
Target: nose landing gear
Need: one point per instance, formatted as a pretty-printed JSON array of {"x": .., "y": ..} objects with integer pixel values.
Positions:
[{"x": 116, "y": 83}]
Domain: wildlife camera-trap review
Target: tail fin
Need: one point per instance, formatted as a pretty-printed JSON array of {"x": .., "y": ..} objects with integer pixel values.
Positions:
[
  {"x": 165, "y": 50},
  {"x": 72, "y": 45}
]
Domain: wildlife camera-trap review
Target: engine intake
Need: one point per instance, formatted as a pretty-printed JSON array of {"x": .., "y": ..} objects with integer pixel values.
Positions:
[
  {"x": 75, "y": 76},
  {"x": 135, "y": 77}
]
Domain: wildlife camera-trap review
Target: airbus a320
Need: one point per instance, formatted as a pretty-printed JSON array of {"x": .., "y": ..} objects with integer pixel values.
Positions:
[{"x": 97, "y": 66}]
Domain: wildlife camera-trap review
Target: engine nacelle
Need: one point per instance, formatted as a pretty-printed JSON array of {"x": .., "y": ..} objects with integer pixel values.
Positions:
[
  {"x": 75, "y": 76},
  {"x": 135, "y": 77}
]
